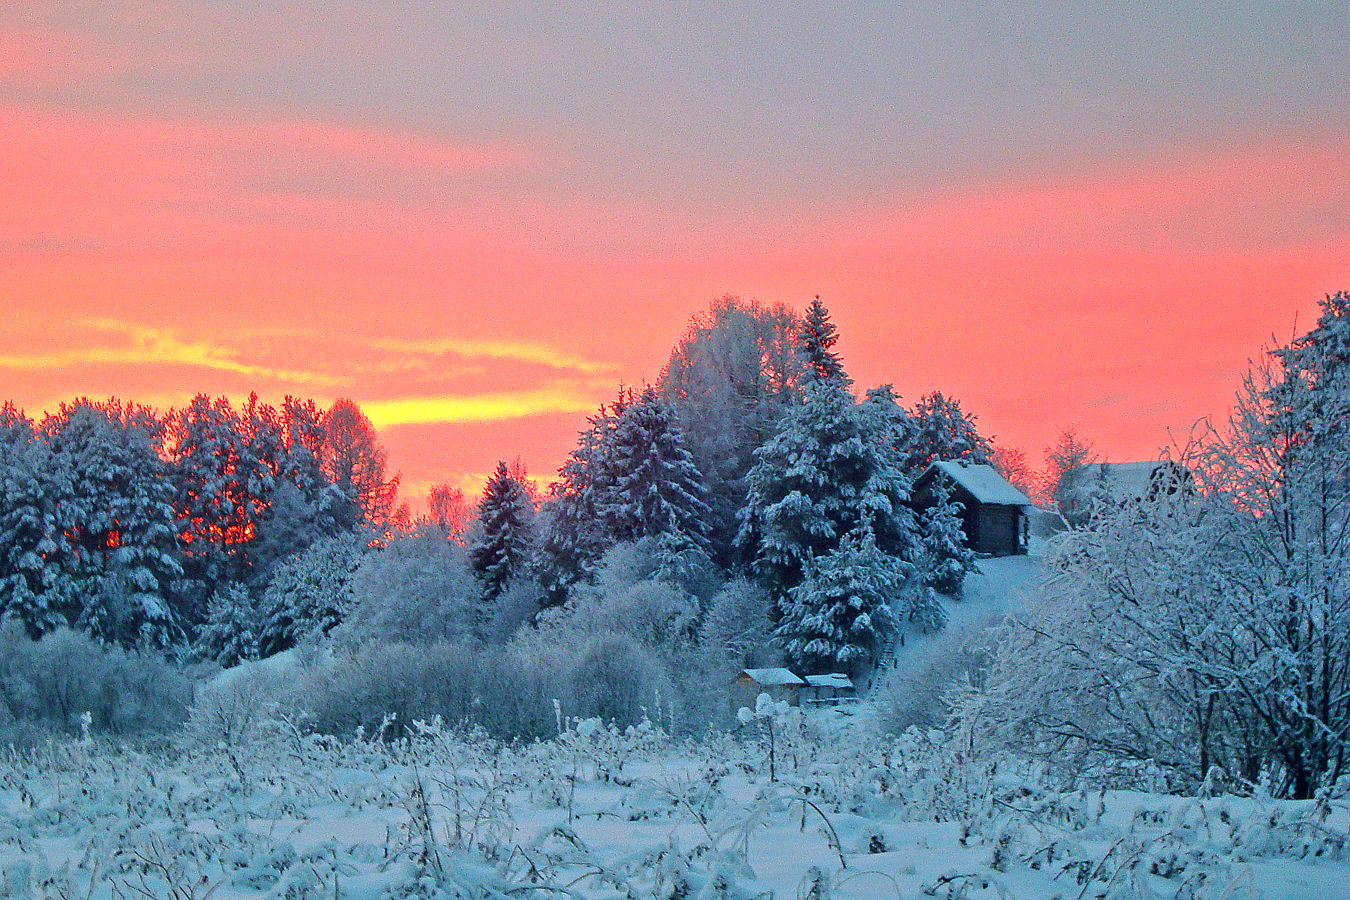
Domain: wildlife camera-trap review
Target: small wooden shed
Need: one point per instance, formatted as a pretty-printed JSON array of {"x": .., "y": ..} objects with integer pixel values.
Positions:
[
  {"x": 778, "y": 683},
  {"x": 828, "y": 689},
  {"x": 993, "y": 512}
]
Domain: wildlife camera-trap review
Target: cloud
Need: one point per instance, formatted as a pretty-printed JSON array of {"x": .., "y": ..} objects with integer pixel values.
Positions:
[
  {"x": 539, "y": 354},
  {"x": 145, "y": 346},
  {"x": 478, "y": 408}
]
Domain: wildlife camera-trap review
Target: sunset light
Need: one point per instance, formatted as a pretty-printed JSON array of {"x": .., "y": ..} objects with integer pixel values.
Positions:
[{"x": 412, "y": 209}]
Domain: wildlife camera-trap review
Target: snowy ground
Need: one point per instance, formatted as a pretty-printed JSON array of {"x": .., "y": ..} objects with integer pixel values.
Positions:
[{"x": 599, "y": 814}]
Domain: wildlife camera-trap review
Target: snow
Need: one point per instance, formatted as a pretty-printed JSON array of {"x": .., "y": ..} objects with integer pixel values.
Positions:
[
  {"x": 832, "y": 680},
  {"x": 599, "y": 813},
  {"x": 983, "y": 482},
  {"x": 772, "y": 677}
]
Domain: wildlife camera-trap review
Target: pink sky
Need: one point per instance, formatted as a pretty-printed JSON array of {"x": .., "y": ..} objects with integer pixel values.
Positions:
[{"x": 480, "y": 230}]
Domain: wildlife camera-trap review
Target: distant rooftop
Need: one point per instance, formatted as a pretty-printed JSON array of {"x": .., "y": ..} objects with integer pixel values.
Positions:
[
  {"x": 769, "y": 677},
  {"x": 984, "y": 483},
  {"x": 833, "y": 680}
]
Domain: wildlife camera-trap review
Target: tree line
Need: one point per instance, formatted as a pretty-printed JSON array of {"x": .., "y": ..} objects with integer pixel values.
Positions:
[{"x": 232, "y": 533}]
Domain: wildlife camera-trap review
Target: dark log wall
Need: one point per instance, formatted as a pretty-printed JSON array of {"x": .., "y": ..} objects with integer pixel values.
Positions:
[{"x": 996, "y": 530}]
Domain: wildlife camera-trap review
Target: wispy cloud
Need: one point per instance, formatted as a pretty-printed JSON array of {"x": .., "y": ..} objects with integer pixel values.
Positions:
[
  {"x": 517, "y": 351},
  {"x": 142, "y": 345},
  {"x": 478, "y": 408}
]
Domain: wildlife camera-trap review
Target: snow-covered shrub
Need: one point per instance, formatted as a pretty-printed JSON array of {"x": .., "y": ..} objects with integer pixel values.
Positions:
[
  {"x": 236, "y": 706},
  {"x": 617, "y": 681},
  {"x": 912, "y": 691},
  {"x": 737, "y": 622},
  {"x": 310, "y": 593},
  {"x": 55, "y": 681},
  {"x": 418, "y": 589}
]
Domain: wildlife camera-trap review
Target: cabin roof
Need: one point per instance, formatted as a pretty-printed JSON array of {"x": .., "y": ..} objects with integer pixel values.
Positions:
[
  {"x": 832, "y": 680},
  {"x": 768, "y": 677},
  {"x": 983, "y": 482}
]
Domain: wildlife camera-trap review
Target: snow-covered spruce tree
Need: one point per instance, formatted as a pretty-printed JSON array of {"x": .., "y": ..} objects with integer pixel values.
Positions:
[
  {"x": 503, "y": 543},
  {"x": 822, "y": 478},
  {"x": 112, "y": 545},
  {"x": 657, "y": 488},
  {"x": 943, "y": 431},
  {"x": 818, "y": 337},
  {"x": 891, "y": 425},
  {"x": 310, "y": 592},
  {"x": 229, "y": 635},
  {"x": 839, "y": 617},
  {"x": 572, "y": 534},
  {"x": 946, "y": 559},
  {"x": 28, "y": 585}
]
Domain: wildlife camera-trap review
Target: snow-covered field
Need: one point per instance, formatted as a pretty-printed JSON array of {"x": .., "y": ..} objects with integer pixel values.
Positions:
[{"x": 596, "y": 813}]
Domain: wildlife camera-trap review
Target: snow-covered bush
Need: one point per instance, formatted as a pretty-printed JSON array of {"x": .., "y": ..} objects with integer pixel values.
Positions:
[
  {"x": 238, "y": 705},
  {"x": 53, "y": 682},
  {"x": 417, "y": 589},
  {"x": 912, "y": 691},
  {"x": 617, "y": 681}
]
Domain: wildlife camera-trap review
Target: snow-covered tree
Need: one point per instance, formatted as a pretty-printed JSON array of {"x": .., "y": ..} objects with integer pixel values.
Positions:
[
  {"x": 889, "y": 422},
  {"x": 945, "y": 559},
  {"x": 230, "y": 634},
  {"x": 839, "y": 617},
  {"x": 225, "y": 471},
  {"x": 28, "y": 585},
  {"x": 417, "y": 589},
  {"x": 822, "y": 477},
  {"x": 112, "y": 542},
  {"x": 818, "y": 337},
  {"x": 657, "y": 488},
  {"x": 502, "y": 545},
  {"x": 355, "y": 461},
  {"x": 1209, "y": 622},
  {"x": 1066, "y": 478},
  {"x": 572, "y": 533},
  {"x": 728, "y": 382},
  {"x": 310, "y": 592},
  {"x": 943, "y": 431}
]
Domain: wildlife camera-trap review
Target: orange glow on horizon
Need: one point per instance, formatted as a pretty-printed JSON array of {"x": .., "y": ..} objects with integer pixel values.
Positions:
[{"x": 157, "y": 258}]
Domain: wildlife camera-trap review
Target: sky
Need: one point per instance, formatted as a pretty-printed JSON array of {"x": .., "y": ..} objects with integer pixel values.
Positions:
[{"x": 478, "y": 220}]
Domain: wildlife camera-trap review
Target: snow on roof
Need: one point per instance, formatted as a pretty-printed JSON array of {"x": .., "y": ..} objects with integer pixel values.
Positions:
[
  {"x": 1126, "y": 480},
  {"x": 984, "y": 483},
  {"x": 833, "y": 680},
  {"x": 769, "y": 677}
]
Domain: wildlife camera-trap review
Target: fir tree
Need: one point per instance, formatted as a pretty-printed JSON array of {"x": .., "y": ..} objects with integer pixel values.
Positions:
[
  {"x": 943, "y": 431},
  {"x": 310, "y": 593},
  {"x": 839, "y": 617},
  {"x": 823, "y": 476},
  {"x": 500, "y": 550},
  {"x": 113, "y": 544},
  {"x": 231, "y": 632},
  {"x": 818, "y": 336},
  {"x": 572, "y": 532},
  {"x": 27, "y": 583},
  {"x": 657, "y": 487},
  {"x": 946, "y": 559}
]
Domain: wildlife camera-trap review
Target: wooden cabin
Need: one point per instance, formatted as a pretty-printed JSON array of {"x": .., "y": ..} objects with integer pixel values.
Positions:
[
  {"x": 779, "y": 684},
  {"x": 993, "y": 512}
]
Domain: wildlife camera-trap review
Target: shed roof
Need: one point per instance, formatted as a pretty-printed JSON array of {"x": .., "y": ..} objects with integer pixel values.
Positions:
[
  {"x": 1129, "y": 480},
  {"x": 832, "y": 680},
  {"x": 769, "y": 677},
  {"x": 983, "y": 482}
]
